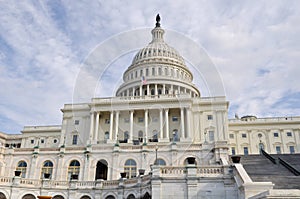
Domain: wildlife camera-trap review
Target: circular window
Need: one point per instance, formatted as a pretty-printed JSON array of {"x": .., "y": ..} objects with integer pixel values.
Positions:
[
  {"x": 55, "y": 140},
  {"x": 259, "y": 135}
]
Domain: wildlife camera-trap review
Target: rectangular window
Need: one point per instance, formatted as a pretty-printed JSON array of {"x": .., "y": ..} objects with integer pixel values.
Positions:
[
  {"x": 211, "y": 135},
  {"x": 147, "y": 71},
  {"x": 76, "y": 122},
  {"x": 276, "y": 134},
  {"x": 246, "y": 151},
  {"x": 42, "y": 141},
  {"x": 289, "y": 134},
  {"x": 140, "y": 119},
  {"x": 107, "y": 121},
  {"x": 32, "y": 141},
  {"x": 74, "y": 140},
  {"x": 292, "y": 149},
  {"x": 153, "y": 71},
  {"x": 126, "y": 120},
  {"x": 244, "y": 135},
  {"x": 231, "y": 136},
  {"x": 209, "y": 117},
  {"x": 233, "y": 150},
  {"x": 174, "y": 118},
  {"x": 278, "y": 150}
]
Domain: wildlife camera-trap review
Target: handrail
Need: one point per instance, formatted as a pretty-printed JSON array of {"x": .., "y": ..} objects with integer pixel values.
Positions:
[
  {"x": 289, "y": 167},
  {"x": 268, "y": 156}
]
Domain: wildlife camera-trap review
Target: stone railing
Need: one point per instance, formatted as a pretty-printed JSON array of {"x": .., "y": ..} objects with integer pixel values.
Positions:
[
  {"x": 99, "y": 184},
  {"x": 201, "y": 171},
  {"x": 172, "y": 171},
  {"x": 111, "y": 184},
  {"x": 210, "y": 171}
]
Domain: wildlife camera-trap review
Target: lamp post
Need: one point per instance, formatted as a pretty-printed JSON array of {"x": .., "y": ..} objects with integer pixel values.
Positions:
[{"x": 156, "y": 148}]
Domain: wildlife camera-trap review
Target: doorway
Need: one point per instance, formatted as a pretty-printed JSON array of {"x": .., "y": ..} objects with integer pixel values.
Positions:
[{"x": 101, "y": 170}]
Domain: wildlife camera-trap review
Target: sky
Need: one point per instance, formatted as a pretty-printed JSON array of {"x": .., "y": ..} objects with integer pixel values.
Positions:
[{"x": 45, "y": 46}]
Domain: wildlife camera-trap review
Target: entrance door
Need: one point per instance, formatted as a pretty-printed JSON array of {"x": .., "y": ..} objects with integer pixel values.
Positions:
[
  {"x": 101, "y": 170},
  {"x": 261, "y": 147}
]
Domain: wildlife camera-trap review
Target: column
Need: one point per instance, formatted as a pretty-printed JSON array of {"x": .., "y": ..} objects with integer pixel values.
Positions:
[
  {"x": 148, "y": 89},
  {"x": 133, "y": 91},
  {"x": 297, "y": 138},
  {"x": 167, "y": 122},
  {"x": 178, "y": 90},
  {"x": 188, "y": 121},
  {"x": 141, "y": 90},
  {"x": 281, "y": 134},
  {"x": 161, "y": 123},
  {"x": 63, "y": 133},
  {"x": 117, "y": 125},
  {"x": 97, "y": 127},
  {"x": 127, "y": 92},
  {"x": 131, "y": 126},
  {"x": 92, "y": 126},
  {"x": 156, "y": 89},
  {"x": 182, "y": 122},
  {"x": 164, "y": 89},
  {"x": 146, "y": 125},
  {"x": 111, "y": 122},
  {"x": 172, "y": 89}
]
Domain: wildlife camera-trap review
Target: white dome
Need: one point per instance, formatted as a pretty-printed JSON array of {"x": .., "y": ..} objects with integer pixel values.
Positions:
[{"x": 157, "y": 69}]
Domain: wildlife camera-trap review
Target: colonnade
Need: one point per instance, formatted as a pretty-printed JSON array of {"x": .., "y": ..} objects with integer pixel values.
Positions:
[
  {"x": 156, "y": 89},
  {"x": 163, "y": 130}
]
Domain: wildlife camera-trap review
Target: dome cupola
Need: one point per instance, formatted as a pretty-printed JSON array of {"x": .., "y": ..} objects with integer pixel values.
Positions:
[{"x": 157, "y": 69}]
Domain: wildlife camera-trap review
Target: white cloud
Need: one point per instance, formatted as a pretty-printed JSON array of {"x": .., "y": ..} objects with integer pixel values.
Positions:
[{"x": 254, "y": 44}]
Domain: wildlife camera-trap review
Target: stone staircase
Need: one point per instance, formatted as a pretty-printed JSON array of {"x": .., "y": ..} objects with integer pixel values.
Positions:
[
  {"x": 261, "y": 169},
  {"x": 292, "y": 159}
]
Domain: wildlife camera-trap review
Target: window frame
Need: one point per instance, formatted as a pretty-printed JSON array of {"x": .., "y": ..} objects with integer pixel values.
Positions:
[{"x": 130, "y": 168}]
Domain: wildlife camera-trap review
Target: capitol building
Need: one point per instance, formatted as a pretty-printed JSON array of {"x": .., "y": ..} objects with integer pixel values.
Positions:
[{"x": 158, "y": 137}]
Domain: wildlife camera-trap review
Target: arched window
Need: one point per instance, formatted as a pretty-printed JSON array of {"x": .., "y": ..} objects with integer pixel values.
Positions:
[
  {"x": 131, "y": 196},
  {"x": 2, "y": 196},
  {"x": 85, "y": 197},
  {"x": 160, "y": 162},
  {"x": 22, "y": 166},
  {"x": 47, "y": 169},
  {"x": 106, "y": 135},
  {"x": 58, "y": 197},
  {"x": 159, "y": 91},
  {"x": 152, "y": 92},
  {"x": 175, "y": 135},
  {"x": 73, "y": 170},
  {"x": 126, "y": 136},
  {"x": 110, "y": 197},
  {"x": 28, "y": 196},
  {"x": 130, "y": 168},
  {"x": 154, "y": 136},
  {"x": 141, "y": 135}
]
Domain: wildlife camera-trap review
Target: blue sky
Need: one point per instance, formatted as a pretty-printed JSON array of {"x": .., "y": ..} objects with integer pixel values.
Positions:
[{"x": 254, "y": 45}]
